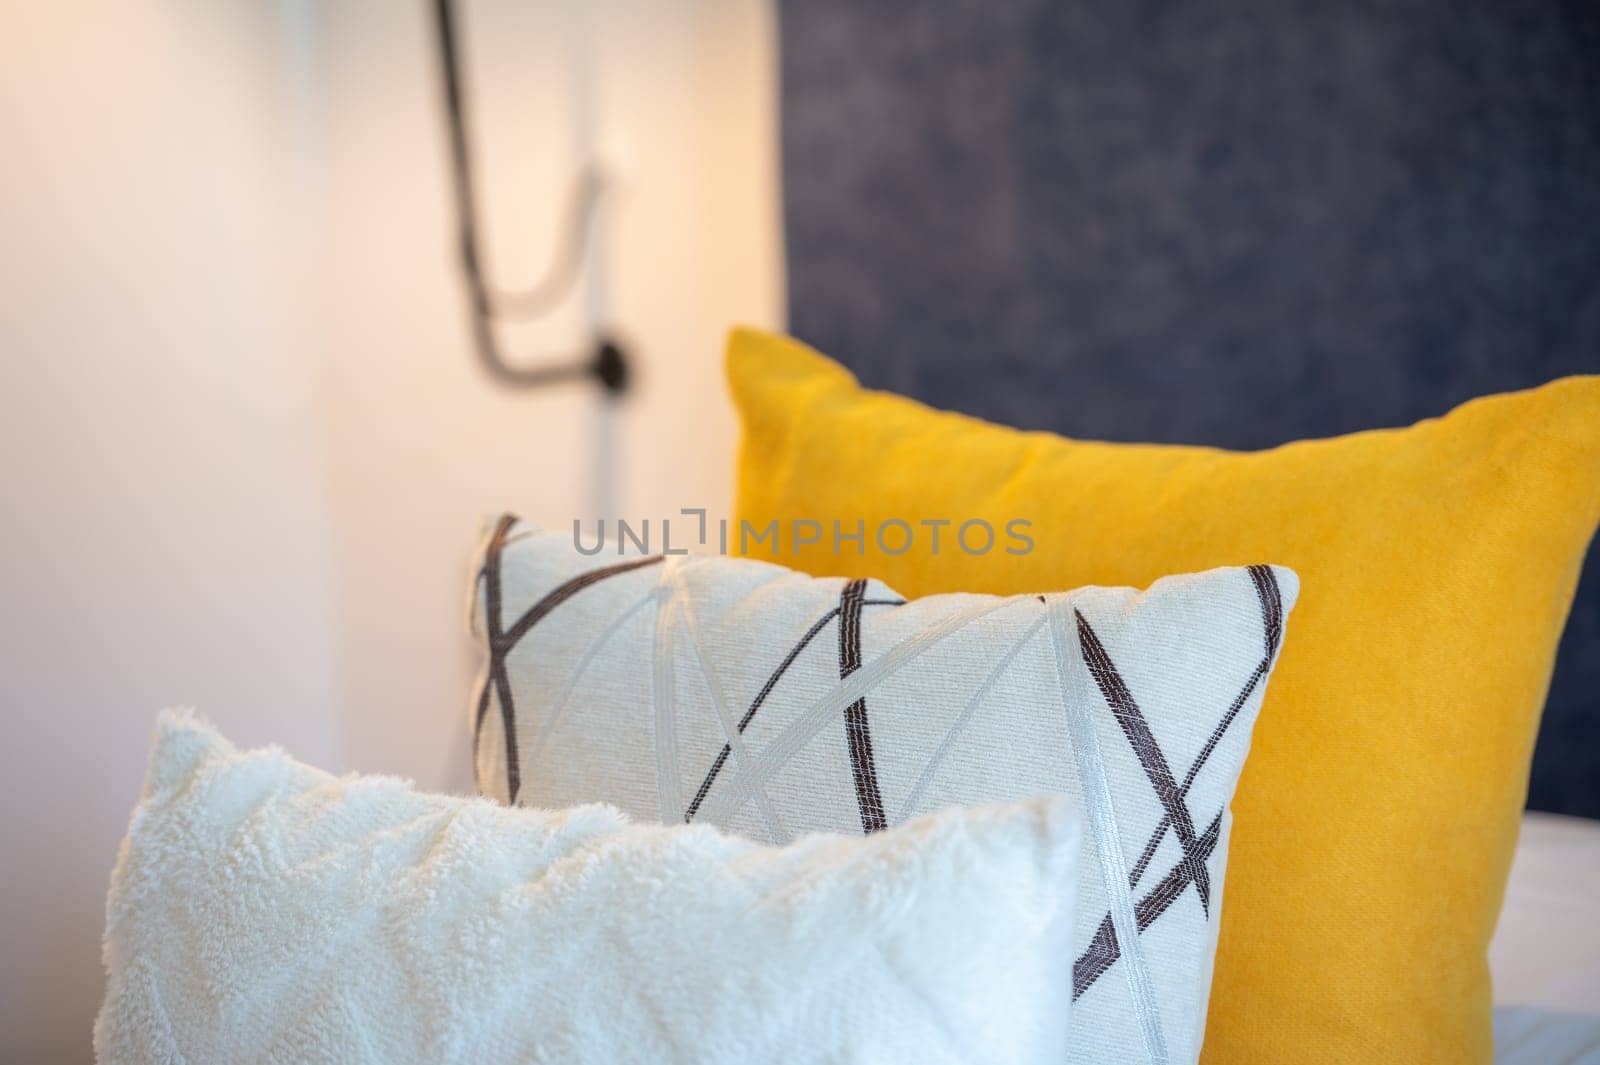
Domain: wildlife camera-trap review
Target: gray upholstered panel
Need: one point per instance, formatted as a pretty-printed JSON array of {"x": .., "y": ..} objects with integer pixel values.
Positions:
[{"x": 1229, "y": 223}]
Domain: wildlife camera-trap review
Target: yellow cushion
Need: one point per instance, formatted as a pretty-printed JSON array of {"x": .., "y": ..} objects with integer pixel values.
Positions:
[{"x": 1378, "y": 811}]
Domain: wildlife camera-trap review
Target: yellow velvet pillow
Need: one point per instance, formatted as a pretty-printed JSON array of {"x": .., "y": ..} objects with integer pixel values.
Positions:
[{"x": 1375, "y": 821}]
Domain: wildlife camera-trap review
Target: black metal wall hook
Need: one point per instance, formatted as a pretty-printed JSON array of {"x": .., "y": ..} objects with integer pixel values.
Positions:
[{"x": 608, "y": 362}]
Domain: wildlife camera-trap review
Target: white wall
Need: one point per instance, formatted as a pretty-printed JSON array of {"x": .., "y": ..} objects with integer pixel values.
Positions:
[
  {"x": 243, "y": 445},
  {"x": 422, "y": 446}
]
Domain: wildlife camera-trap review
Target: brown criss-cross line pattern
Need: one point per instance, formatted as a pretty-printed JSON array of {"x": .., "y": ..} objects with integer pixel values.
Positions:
[
  {"x": 1137, "y": 730},
  {"x": 1104, "y": 950},
  {"x": 761, "y": 698},
  {"x": 502, "y": 641},
  {"x": 857, "y": 734}
]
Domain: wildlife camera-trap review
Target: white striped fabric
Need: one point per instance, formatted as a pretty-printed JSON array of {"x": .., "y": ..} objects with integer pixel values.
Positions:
[{"x": 744, "y": 695}]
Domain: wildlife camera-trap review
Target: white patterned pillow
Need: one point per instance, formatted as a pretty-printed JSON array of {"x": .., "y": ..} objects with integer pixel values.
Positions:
[
  {"x": 263, "y": 911},
  {"x": 743, "y": 694}
]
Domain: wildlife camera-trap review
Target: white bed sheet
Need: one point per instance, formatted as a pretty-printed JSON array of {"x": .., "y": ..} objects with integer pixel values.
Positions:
[{"x": 1545, "y": 957}]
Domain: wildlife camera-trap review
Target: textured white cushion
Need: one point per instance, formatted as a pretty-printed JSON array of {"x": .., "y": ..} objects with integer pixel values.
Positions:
[
  {"x": 771, "y": 703},
  {"x": 264, "y": 911}
]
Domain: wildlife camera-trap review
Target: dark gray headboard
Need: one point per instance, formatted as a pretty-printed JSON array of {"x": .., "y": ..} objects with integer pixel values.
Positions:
[{"x": 1231, "y": 223}]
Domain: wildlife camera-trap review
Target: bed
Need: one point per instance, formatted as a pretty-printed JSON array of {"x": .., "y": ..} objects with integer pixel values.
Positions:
[{"x": 1546, "y": 952}]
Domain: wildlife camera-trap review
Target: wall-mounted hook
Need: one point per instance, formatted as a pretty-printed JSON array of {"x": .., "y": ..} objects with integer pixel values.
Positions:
[{"x": 608, "y": 362}]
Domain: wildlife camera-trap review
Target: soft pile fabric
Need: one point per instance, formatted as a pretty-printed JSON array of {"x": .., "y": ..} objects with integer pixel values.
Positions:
[
  {"x": 741, "y": 694},
  {"x": 264, "y": 911},
  {"x": 1378, "y": 813}
]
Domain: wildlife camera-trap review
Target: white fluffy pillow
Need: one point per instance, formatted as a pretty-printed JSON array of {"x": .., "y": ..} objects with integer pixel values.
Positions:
[
  {"x": 769, "y": 703},
  {"x": 264, "y": 911}
]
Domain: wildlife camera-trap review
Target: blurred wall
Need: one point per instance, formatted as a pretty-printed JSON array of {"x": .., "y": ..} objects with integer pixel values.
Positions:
[
  {"x": 1234, "y": 224},
  {"x": 167, "y": 535},
  {"x": 245, "y": 446},
  {"x": 679, "y": 102}
]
